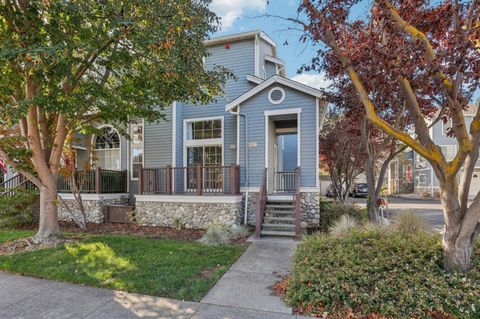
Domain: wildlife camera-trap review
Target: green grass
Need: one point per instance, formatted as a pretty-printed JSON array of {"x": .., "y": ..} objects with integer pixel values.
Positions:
[
  {"x": 172, "y": 269},
  {"x": 11, "y": 234}
]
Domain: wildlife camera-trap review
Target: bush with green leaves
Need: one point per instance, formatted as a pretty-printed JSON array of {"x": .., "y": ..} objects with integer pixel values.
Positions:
[
  {"x": 330, "y": 212},
  {"x": 381, "y": 273},
  {"x": 19, "y": 209}
]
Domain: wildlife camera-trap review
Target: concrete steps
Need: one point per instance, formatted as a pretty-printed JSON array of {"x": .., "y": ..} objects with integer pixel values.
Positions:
[{"x": 279, "y": 217}]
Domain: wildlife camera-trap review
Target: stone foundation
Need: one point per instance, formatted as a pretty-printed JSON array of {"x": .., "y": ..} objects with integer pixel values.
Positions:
[
  {"x": 188, "y": 211},
  {"x": 310, "y": 204},
  {"x": 92, "y": 203}
]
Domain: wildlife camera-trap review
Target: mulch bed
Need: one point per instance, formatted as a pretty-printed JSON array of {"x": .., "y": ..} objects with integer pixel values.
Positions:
[
  {"x": 132, "y": 229},
  {"x": 156, "y": 232}
]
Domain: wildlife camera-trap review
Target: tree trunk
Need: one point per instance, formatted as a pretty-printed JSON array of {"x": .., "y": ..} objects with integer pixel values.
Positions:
[
  {"x": 49, "y": 229},
  {"x": 369, "y": 172},
  {"x": 457, "y": 249}
]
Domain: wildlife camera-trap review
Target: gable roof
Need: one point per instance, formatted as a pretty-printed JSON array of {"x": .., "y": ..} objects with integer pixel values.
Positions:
[
  {"x": 272, "y": 80},
  {"x": 241, "y": 36}
]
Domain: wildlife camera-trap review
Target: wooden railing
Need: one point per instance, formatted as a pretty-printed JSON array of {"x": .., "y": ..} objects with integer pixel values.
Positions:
[
  {"x": 97, "y": 181},
  {"x": 261, "y": 205},
  {"x": 12, "y": 185},
  {"x": 298, "y": 203},
  {"x": 285, "y": 181},
  {"x": 195, "y": 180}
]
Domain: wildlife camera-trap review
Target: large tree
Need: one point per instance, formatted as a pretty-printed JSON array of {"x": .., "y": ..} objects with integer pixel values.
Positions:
[
  {"x": 68, "y": 64},
  {"x": 430, "y": 50}
]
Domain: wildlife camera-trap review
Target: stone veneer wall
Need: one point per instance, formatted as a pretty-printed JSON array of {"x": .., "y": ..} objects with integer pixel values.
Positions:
[
  {"x": 93, "y": 208},
  {"x": 191, "y": 215},
  {"x": 310, "y": 203}
]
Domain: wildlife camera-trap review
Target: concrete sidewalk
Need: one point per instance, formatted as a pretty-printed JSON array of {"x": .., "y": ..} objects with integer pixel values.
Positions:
[
  {"x": 248, "y": 284},
  {"x": 243, "y": 292}
]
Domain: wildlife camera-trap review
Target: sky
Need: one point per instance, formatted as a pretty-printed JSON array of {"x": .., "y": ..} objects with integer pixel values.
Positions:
[{"x": 247, "y": 15}]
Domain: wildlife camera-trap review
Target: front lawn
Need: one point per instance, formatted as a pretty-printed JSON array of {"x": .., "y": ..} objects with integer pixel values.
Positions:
[
  {"x": 372, "y": 273},
  {"x": 12, "y": 234},
  {"x": 173, "y": 269}
]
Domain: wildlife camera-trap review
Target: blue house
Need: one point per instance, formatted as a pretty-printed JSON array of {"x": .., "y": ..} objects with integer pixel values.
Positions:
[{"x": 249, "y": 157}]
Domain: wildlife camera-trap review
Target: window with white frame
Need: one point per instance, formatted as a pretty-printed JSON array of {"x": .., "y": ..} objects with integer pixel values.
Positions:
[
  {"x": 449, "y": 152},
  {"x": 106, "y": 149},
  {"x": 204, "y": 147},
  {"x": 422, "y": 179},
  {"x": 201, "y": 130},
  {"x": 136, "y": 149},
  {"x": 420, "y": 162}
]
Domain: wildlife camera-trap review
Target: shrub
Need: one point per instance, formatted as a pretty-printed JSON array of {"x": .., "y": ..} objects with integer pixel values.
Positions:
[
  {"x": 343, "y": 225},
  {"x": 380, "y": 274},
  {"x": 331, "y": 212},
  {"x": 20, "y": 209},
  {"x": 221, "y": 234},
  {"x": 409, "y": 222}
]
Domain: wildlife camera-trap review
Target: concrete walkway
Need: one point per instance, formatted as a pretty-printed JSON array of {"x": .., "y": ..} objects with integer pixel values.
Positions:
[
  {"x": 248, "y": 283},
  {"x": 243, "y": 292}
]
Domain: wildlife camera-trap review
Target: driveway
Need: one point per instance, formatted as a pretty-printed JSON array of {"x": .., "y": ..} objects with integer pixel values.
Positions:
[{"x": 429, "y": 208}]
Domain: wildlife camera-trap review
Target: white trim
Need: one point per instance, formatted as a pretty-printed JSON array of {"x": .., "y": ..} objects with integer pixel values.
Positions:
[
  {"x": 254, "y": 79},
  {"x": 274, "y": 79},
  {"x": 174, "y": 134},
  {"x": 143, "y": 149},
  {"x": 203, "y": 142},
  {"x": 249, "y": 189},
  {"x": 317, "y": 142},
  {"x": 266, "y": 142},
  {"x": 241, "y": 36},
  {"x": 295, "y": 110},
  {"x": 443, "y": 126},
  {"x": 99, "y": 197},
  {"x": 309, "y": 189},
  {"x": 189, "y": 199},
  {"x": 119, "y": 145},
  {"x": 273, "y": 59},
  {"x": 298, "y": 140},
  {"x": 276, "y": 88},
  {"x": 238, "y": 135},
  {"x": 257, "y": 56}
]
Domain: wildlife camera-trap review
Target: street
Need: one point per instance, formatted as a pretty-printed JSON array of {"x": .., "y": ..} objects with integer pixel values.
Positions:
[{"x": 429, "y": 208}]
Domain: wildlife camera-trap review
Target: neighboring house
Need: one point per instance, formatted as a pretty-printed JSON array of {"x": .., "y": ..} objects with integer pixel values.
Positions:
[
  {"x": 410, "y": 167},
  {"x": 206, "y": 163}
]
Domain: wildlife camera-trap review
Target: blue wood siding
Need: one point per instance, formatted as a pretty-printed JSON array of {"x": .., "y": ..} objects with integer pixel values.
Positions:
[
  {"x": 240, "y": 59},
  {"x": 255, "y": 107},
  {"x": 265, "y": 48}
]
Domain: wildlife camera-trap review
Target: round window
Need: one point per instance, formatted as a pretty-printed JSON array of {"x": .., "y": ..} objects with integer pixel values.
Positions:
[{"x": 276, "y": 95}]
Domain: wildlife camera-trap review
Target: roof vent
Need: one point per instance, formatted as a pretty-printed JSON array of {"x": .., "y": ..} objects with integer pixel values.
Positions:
[{"x": 276, "y": 95}]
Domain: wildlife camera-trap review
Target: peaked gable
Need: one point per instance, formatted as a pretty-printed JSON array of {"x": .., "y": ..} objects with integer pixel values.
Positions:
[{"x": 273, "y": 80}]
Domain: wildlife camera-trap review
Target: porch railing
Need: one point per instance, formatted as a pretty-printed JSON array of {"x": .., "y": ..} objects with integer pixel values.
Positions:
[
  {"x": 195, "y": 180},
  {"x": 261, "y": 205},
  {"x": 298, "y": 202},
  {"x": 12, "y": 185},
  {"x": 96, "y": 181},
  {"x": 285, "y": 181}
]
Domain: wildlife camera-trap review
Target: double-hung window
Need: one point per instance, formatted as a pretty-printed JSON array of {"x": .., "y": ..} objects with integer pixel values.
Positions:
[
  {"x": 204, "y": 147},
  {"x": 136, "y": 148}
]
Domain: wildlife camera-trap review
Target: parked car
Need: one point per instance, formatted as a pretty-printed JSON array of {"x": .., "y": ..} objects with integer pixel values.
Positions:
[{"x": 359, "y": 190}]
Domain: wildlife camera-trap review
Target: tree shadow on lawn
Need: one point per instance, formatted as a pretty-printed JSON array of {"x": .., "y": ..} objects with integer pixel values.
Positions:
[{"x": 170, "y": 269}]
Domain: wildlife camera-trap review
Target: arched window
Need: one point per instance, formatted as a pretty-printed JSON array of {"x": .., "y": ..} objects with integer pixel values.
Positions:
[{"x": 106, "y": 148}]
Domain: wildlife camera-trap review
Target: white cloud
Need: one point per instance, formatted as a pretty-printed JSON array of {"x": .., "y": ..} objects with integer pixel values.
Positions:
[
  {"x": 231, "y": 10},
  {"x": 318, "y": 81}
]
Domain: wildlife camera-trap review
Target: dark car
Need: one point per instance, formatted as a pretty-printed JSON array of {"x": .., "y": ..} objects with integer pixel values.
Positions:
[{"x": 359, "y": 190}]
